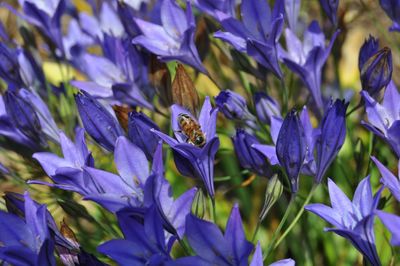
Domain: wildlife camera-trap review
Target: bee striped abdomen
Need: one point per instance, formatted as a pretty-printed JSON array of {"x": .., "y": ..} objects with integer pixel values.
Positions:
[{"x": 191, "y": 129}]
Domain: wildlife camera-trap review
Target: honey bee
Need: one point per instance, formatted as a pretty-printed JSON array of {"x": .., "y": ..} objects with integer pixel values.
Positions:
[{"x": 191, "y": 129}]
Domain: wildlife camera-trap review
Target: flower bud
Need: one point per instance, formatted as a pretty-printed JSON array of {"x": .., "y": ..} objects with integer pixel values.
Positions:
[
  {"x": 291, "y": 148},
  {"x": 266, "y": 107},
  {"x": 330, "y": 8},
  {"x": 368, "y": 49},
  {"x": 233, "y": 105},
  {"x": 9, "y": 68},
  {"x": 160, "y": 79},
  {"x": 23, "y": 116},
  {"x": 122, "y": 114},
  {"x": 184, "y": 92},
  {"x": 97, "y": 121},
  {"x": 139, "y": 133},
  {"x": 199, "y": 204},
  {"x": 333, "y": 133},
  {"x": 272, "y": 194},
  {"x": 376, "y": 72},
  {"x": 68, "y": 255},
  {"x": 248, "y": 157}
]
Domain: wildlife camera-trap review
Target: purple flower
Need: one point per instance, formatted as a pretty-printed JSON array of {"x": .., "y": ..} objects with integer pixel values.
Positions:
[
  {"x": 68, "y": 249},
  {"x": 212, "y": 7},
  {"x": 392, "y": 223},
  {"x": 97, "y": 121},
  {"x": 392, "y": 9},
  {"x": 384, "y": 119},
  {"x": 291, "y": 148},
  {"x": 213, "y": 247},
  {"x": 9, "y": 66},
  {"x": 257, "y": 34},
  {"x": 233, "y": 105},
  {"x": 139, "y": 127},
  {"x": 266, "y": 107},
  {"x": 330, "y": 8},
  {"x": 23, "y": 116},
  {"x": 143, "y": 244},
  {"x": 174, "y": 40},
  {"x": 31, "y": 73},
  {"x": 333, "y": 133},
  {"x": 388, "y": 179},
  {"x": 76, "y": 156},
  {"x": 11, "y": 131},
  {"x": 259, "y": 261},
  {"x": 376, "y": 72},
  {"x": 48, "y": 125},
  {"x": 311, "y": 135},
  {"x": 46, "y": 15},
  {"x": 26, "y": 241},
  {"x": 368, "y": 49},
  {"x": 248, "y": 157},
  {"x": 76, "y": 172},
  {"x": 352, "y": 219},
  {"x": 135, "y": 187},
  {"x": 307, "y": 59},
  {"x": 292, "y": 10},
  {"x": 191, "y": 160}
]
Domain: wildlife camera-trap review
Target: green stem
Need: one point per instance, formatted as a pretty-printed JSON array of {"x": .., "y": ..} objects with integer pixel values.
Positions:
[
  {"x": 214, "y": 211},
  {"x": 285, "y": 96},
  {"x": 256, "y": 231},
  {"x": 279, "y": 228},
  {"x": 300, "y": 212},
  {"x": 354, "y": 109}
]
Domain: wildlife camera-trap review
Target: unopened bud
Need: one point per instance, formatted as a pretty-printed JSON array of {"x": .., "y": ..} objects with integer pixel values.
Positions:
[
  {"x": 184, "y": 92},
  {"x": 272, "y": 194}
]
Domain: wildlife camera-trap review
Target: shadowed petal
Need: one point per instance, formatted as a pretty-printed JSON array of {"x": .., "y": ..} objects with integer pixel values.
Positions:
[
  {"x": 388, "y": 179},
  {"x": 131, "y": 162},
  {"x": 206, "y": 240},
  {"x": 392, "y": 223},
  {"x": 235, "y": 235}
]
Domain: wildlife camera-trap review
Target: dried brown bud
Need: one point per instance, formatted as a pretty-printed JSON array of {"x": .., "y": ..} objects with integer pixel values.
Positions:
[
  {"x": 67, "y": 232},
  {"x": 160, "y": 79},
  {"x": 184, "y": 92},
  {"x": 122, "y": 113},
  {"x": 201, "y": 38}
]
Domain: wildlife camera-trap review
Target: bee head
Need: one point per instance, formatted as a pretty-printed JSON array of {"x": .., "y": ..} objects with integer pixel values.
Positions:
[{"x": 199, "y": 140}]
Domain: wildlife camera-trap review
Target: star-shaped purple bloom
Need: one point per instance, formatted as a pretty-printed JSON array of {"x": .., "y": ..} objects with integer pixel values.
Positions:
[
  {"x": 136, "y": 186},
  {"x": 212, "y": 246},
  {"x": 144, "y": 244},
  {"x": 191, "y": 160},
  {"x": 26, "y": 241},
  {"x": 174, "y": 40},
  {"x": 307, "y": 59},
  {"x": 352, "y": 219},
  {"x": 257, "y": 34},
  {"x": 66, "y": 172},
  {"x": 69, "y": 250},
  {"x": 384, "y": 119}
]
